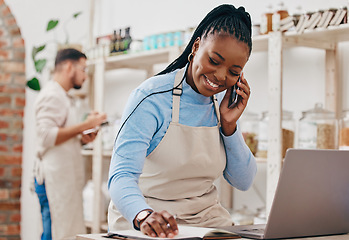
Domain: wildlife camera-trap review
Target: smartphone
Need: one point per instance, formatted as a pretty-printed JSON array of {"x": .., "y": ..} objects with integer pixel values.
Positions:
[{"x": 234, "y": 97}]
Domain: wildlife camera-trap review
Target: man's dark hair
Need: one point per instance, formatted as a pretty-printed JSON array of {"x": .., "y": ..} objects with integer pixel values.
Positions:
[
  {"x": 68, "y": 54},
  {"x": 222, "y": 19}
]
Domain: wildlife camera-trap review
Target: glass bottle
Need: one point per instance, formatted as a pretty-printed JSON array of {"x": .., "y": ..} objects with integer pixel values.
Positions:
[
  {"x": 128, "y": 39},
  {"x": 249, "y": 129},
  {"x": 344, "y": 131},
  {"x": 318, "y": 129},
  {"x": 113, "y": 42}
]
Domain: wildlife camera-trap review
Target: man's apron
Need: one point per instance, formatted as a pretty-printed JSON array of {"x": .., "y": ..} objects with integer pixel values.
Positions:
[
  {"x": 178, "y": 175},
  {"x": 63, "y": 170}
]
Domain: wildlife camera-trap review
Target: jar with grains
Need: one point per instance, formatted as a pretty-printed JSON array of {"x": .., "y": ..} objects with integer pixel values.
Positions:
[
  {"x": 288, "y": 130},
  {"x": 344, "y": 131},
  {"x": 249, "y": 127},
  {"x": 318, "y": 129}
]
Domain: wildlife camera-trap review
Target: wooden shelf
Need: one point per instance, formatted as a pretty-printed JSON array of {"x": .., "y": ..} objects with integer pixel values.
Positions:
[
  {"x": 320, "y": 38},
  {"x": 139, "y": 60},
  {"x": 260, "y": 43}
]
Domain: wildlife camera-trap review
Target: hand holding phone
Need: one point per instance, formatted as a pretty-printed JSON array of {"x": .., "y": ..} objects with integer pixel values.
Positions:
[
  {"x": 92, "y": 130},
  {"x": 234, "y": 97}
]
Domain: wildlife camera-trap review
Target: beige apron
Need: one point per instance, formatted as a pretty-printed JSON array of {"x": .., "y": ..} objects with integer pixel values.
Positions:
[
  {"x": 178, "y": 175},
  {"x": 63, "y": 170}
]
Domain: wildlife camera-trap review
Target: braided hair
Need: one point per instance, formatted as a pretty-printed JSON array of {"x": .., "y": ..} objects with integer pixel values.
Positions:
[{"x": 222, "y": 19}]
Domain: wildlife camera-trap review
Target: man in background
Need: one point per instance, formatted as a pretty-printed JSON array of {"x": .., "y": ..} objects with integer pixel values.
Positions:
[{"x": 59, "y": 169}]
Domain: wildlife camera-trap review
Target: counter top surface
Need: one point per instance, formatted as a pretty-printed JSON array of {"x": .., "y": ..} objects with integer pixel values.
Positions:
[{"x": 333, "y": 237}]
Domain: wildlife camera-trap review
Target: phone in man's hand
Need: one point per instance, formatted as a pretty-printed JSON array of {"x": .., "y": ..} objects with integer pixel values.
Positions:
[
  {"x": 234, "y": 97},
  {"x": 92, "y": 130}
]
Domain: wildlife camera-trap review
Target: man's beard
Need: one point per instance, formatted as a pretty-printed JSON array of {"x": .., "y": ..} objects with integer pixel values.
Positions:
[{"x": 76, "y": 86}]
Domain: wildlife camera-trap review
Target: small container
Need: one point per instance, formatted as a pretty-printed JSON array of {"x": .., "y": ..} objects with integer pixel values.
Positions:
[
  {"x": 266, "y": 21},
  {"x": 178, "y": 38},
  {"x": 154, "y": 41},
  {"x": 318, "y": 129},
  {"x": 249, "y": 128},
  {"x": 161, "y": 42},
  {"x": 169, "y": 39},
  {"x": 288, "y": 130},
  {"x": 146, "y": 43},
  {"x": 344, "y": 131},
  {"x": 280, "y": 14}
]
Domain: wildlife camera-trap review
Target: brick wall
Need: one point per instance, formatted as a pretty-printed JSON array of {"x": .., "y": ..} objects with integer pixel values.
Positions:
[{"x": 12, "y": 102}]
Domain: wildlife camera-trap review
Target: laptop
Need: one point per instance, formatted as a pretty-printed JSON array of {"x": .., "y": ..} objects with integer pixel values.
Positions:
[{"x": 311, "y": 199}]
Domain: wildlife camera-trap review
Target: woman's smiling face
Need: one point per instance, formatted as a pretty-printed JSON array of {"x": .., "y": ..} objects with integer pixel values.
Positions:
[{"x": 217, "y": 63}]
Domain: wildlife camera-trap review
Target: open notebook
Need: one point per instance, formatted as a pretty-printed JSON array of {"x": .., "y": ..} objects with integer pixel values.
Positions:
[
  {"x": 185, "y": 232},
  {"x": 311, "y": 199}
]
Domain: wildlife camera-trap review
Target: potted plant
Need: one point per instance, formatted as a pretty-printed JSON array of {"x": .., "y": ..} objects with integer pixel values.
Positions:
[{"x": 40, "y": 63}]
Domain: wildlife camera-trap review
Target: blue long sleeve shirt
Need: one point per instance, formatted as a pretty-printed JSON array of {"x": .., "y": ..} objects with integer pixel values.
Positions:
[{"x": 146, "y": 127}]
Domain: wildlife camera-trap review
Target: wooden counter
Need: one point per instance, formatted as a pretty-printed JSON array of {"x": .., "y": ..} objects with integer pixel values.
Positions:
[{"x": 334, "y": 237}]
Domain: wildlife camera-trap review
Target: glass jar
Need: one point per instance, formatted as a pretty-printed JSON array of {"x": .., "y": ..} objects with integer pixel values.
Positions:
[
  {"x": 318, "y": 129},
  {"x": 249, "y": 129},
  {"x": 288, "y": 130},
  {"x": 344, "y": 131}
]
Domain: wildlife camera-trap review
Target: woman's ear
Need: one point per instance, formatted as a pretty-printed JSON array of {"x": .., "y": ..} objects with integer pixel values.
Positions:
[{"x": 195, "y": 46}]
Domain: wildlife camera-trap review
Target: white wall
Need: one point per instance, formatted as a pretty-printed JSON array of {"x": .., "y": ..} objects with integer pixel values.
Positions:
[{"x": 303, "y": 68}]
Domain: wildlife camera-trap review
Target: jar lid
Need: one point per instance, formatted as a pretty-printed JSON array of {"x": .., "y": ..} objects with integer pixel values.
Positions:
[
  {"x": 318, "y": 112},
  {"x": 281, "y": 6},
  {"x": 345, "y": 113}
]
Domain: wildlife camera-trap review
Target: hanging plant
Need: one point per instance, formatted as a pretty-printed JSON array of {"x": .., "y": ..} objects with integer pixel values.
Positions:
[{"x": 40, "y": 63}]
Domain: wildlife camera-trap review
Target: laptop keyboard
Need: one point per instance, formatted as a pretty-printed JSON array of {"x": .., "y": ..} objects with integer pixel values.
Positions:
[{"x": 254, "y": 230}]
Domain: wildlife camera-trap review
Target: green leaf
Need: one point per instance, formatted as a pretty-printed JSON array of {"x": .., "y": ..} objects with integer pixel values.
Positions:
[
  {"x": 51, "y": 24},
  {"x": 76, "y": 14},
  {"x": 36, "y": 50},
  {"x": 34, "y": 84},
  {"x": 40, "y": 64}
]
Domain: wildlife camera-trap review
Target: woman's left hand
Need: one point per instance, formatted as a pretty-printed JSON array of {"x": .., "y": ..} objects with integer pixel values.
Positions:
[{"x": 230, "y": 116}]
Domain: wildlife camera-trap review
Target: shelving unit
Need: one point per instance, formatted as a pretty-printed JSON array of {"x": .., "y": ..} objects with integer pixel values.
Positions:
[
  {"x": 273, "y": 43},
  {"x": 326, "y": 39}
]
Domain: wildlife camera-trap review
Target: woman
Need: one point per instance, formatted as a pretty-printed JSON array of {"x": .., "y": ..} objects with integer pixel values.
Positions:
[{"x": 178, "y": 134}]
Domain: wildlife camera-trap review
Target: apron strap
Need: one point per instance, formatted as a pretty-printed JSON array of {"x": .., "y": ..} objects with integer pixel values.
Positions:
[
  {"x": 216, "y": 109},
  {"x": 176, "y": 95}
]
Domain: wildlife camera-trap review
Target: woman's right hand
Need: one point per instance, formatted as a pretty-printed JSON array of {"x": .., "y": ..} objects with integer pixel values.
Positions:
[{"x": 160, "y": 224}]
